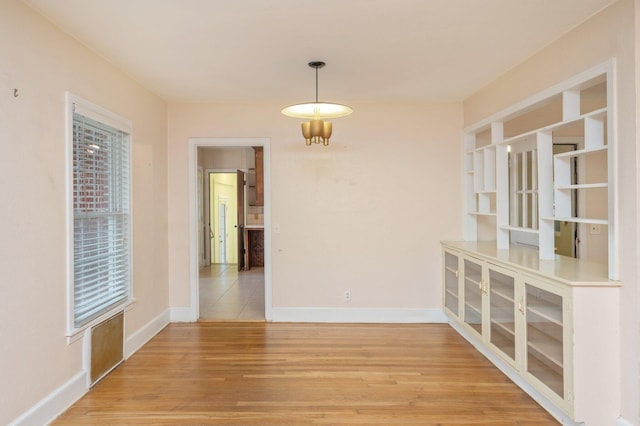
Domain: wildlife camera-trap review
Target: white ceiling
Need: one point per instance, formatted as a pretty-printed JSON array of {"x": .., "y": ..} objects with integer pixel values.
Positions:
[{"x": 257, "y": 50}]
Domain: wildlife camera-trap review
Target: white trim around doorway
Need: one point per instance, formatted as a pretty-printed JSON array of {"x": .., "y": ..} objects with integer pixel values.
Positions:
[{"x": 194, "y": 144}]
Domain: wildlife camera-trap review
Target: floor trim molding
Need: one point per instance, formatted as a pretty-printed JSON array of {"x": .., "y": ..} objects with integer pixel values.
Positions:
[
  {"x": 54, "y": 404},
  {"x": 51, "y": 406},
  {"x": 358, "y": 315},
  {"x": 146, "y": 333},
  {"x": 183, "y": 315}
]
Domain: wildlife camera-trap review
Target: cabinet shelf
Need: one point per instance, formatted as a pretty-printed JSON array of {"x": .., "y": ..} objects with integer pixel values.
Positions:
[
  {"x": 507, "y": 328},
  {"x": 501, "y": 295},
  {"x": 452, "y": 270},
  {"x": 452, "y": 294},
  {"x": 547, "y": 351},
  {"x": 546, "y": 375},
  {"x": 473, "y": 281},
  {"x": 549, "y": 313},
  {"x": 473, "y": 308}
]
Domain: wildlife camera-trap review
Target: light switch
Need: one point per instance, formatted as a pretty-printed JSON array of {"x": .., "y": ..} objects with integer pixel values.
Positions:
[{"x": 276, "y": 228}]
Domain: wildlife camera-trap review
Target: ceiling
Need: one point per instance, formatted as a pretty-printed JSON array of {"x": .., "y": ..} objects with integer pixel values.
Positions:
[{"x": 258, "y": 50}]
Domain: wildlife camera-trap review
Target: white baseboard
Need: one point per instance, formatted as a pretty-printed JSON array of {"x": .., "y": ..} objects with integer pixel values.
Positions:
[
  {"x": 358, "y": 315},
  {"x": 183, "y": 315},
  {"x": 50, "y": 407},
  {"x": 549, "y": 406},
  {"x": 145, "y": 333}
]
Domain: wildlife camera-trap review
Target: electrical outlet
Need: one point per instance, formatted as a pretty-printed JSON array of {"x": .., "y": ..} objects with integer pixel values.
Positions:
[
  {"x": 594, "y": 229},
  {"x": 347, "y": 295}
]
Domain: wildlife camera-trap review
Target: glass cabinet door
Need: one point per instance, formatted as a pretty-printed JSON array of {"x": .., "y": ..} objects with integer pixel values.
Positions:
[
  {"x": 502, "y": 312},
  {"x": 545, "y": 337},
  {"x": 473, "y": 294},
  {"x": 451, "y": 282}
]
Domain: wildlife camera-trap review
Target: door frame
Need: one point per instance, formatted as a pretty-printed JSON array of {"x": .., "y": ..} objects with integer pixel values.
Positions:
[{"x": 194, "y": 144}]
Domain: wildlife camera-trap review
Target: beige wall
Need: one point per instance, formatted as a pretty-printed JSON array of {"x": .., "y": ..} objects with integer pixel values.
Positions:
[
  {"x": 365, "y": 213},
  {"x": 609, "y": 34},
  {"x": 42, "y": 63}
]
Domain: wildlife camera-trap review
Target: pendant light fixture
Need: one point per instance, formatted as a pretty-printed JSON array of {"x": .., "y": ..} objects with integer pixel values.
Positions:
[{"x": 317, "y": 129}]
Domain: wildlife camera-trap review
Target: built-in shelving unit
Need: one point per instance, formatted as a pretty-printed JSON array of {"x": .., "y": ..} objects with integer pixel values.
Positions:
[
  {"x": 539, "y": 262},
  {"x": 517, "y": 188}
]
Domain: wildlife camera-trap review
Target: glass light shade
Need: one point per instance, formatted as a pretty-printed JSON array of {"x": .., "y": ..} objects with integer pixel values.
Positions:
[{"x": 317, "y": 110}]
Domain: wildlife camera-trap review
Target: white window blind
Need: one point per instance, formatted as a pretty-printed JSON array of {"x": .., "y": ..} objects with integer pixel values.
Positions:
[{"x": 101, "y": 222}]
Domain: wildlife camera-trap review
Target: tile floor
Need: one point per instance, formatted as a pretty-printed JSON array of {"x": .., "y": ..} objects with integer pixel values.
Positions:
[{"x": 226, "y": 294}]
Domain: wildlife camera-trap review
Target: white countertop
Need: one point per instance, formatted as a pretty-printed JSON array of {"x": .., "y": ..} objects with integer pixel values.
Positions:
[{"x": 570, "y": 271}]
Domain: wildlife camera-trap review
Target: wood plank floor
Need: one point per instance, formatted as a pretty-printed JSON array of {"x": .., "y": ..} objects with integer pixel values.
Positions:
[{"x": 256, "y": 373}]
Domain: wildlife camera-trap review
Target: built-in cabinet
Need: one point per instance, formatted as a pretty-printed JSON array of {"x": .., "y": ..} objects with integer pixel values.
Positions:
[
  {"x": 539, "y": 181},
  {"x": 535, "y": 317}
]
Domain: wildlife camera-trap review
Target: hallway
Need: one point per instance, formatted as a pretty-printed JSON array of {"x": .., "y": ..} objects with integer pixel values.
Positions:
[{"x": 226, "y": 294}]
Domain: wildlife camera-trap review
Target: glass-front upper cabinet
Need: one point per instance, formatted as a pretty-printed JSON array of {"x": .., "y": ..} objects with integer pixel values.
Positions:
[
  {"x": 451, "y": 282},
  {"x": 502, "y": 311}
]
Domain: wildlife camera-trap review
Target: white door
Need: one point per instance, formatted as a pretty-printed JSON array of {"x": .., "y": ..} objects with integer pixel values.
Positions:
[{"x": 222, "y": 229}]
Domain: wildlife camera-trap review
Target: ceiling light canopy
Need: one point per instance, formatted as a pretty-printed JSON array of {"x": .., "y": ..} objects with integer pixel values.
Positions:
[{"x": 317, "y": 130}]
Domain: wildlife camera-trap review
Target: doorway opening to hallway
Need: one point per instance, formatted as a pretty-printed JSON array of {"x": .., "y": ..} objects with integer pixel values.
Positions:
[{"x": 233, "y": 264}]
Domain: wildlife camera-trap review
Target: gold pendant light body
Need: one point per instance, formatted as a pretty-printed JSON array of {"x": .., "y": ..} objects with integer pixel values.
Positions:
[{"x": 317, "y": 130}]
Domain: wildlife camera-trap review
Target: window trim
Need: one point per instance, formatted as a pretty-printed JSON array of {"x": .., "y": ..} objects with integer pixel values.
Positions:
[{"x": 74, "y": 103}]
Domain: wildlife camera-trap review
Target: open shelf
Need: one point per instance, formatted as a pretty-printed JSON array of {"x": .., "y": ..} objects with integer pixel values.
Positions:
[
  {"x": 583, "y": 186},
  {"x": 578, "y": 220},
  {"x": 579, "y": 152},
  {"x": 520, "y": 229}
]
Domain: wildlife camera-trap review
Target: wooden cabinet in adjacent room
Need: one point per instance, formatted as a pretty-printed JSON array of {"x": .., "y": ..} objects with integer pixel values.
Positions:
[
  {"x": 254, "y": 250},
  {"x": 259, "y": 162}
]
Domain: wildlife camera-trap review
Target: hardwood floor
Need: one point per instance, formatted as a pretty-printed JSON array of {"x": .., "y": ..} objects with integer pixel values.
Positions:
[
  {"x": 226, "y": 294},
  {"x": 254, "y": 373}
]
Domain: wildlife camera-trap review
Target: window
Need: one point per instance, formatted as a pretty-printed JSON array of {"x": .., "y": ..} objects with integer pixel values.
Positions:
[
  {"x": 523, "y": 192},
  {"x": 100, "y": 268}
]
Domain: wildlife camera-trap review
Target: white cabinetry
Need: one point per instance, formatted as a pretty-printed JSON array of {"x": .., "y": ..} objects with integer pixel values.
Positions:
[{"x": 535, "y": 319}]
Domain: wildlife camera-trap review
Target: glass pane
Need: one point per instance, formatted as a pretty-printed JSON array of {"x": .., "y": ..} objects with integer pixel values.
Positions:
[
  {"x": 473, "y": 295},
  {"x": 529, "y": 169},
  {"x": 502, "y": 312},
  {"x": 545, "y": 337},
  {"x": 451, "y": 282}
]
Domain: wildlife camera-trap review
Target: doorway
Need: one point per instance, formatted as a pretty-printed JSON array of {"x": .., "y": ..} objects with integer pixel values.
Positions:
[
  {"x": 223, "y": 253},
  {"x": 222, "y": 216}
]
